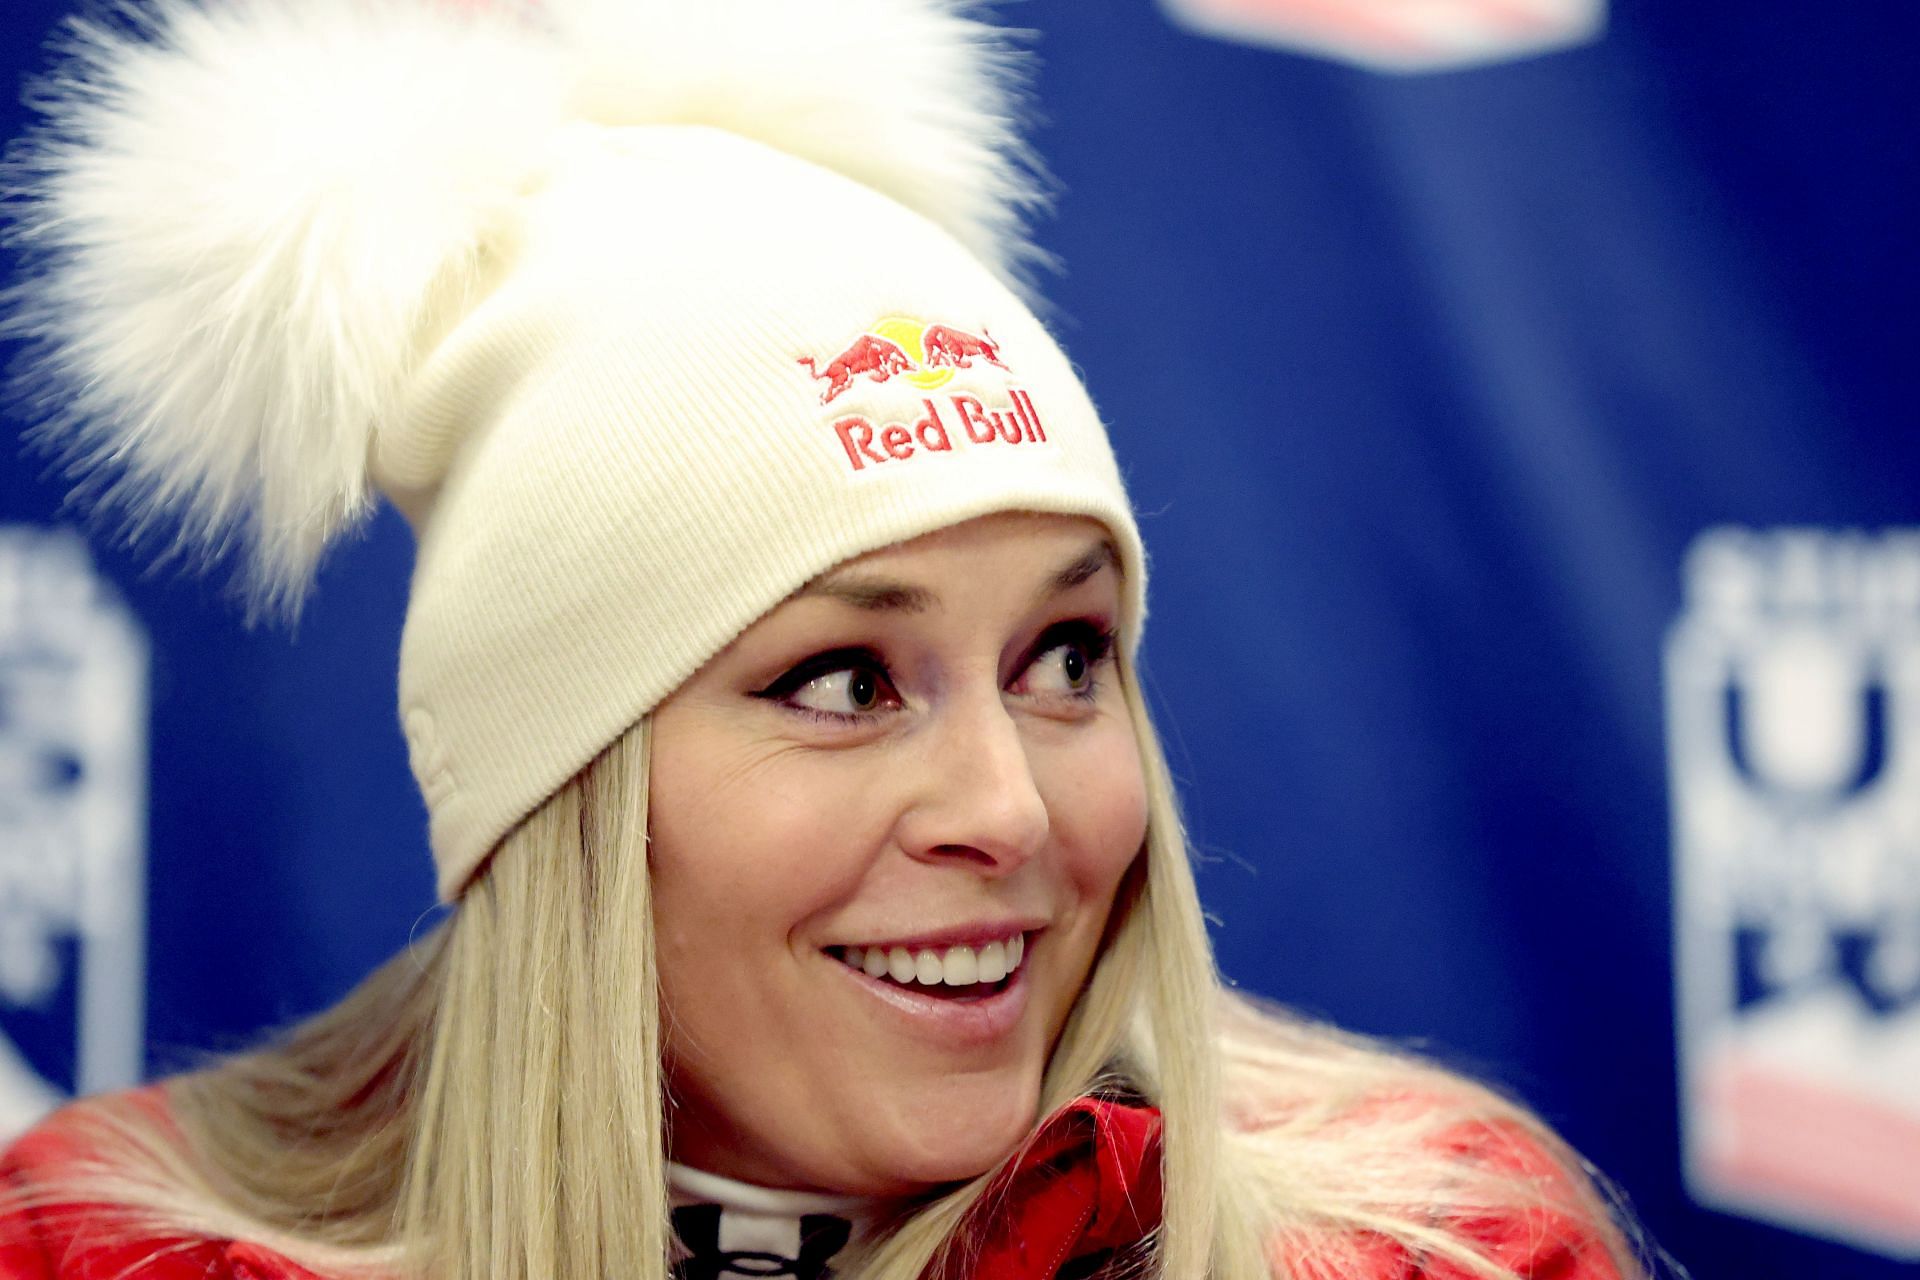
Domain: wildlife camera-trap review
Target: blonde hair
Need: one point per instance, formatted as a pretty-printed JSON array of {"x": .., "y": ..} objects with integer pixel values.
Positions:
[{"x": 489, "y": 1105}]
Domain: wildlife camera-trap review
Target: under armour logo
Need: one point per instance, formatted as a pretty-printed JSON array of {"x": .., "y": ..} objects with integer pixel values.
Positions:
[{"x": 822, "y": 1236}]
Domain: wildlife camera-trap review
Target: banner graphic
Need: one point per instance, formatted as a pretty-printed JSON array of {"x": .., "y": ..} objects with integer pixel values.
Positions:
[
  {"x": 73, "y": 803},
  {"x": 1793, "y": 683}
]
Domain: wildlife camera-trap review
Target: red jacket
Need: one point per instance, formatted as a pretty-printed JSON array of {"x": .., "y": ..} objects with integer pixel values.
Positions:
[{"x": 1090, "y": 1184}]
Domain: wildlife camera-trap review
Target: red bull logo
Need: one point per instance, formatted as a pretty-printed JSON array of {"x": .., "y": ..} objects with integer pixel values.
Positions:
[{"x": 924, "y": 355}]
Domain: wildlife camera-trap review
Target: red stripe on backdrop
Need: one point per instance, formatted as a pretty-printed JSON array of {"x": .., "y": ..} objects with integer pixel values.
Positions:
[
  {"x": 1332, "y": 17},
  {"x": 1813, "y": 1149},
  {"x": 1519, "y": 16},
  {"x": 1387, "y": 25}
]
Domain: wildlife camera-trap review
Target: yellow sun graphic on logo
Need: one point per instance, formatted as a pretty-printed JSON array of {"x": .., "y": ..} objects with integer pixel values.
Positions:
[{"x": 906, "y": 334}]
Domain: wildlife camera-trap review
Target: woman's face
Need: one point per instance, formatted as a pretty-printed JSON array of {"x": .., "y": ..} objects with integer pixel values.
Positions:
[{"x": 918, "y": 767}]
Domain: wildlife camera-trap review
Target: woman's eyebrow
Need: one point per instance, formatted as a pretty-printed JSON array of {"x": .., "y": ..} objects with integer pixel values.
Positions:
[
  {"x": 1092, "y": 561},
  {"x": 872, "y": 594}
]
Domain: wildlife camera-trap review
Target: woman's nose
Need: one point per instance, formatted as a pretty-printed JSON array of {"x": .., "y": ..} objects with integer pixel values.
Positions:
[{"x": 976, "y": 798}]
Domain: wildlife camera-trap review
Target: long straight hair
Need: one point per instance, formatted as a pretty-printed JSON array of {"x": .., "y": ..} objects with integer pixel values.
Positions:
[{"x": 490, "y": 1104}]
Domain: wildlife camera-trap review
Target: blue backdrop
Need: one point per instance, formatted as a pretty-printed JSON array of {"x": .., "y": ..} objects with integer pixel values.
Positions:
[{"x": 1424, "y": 384}]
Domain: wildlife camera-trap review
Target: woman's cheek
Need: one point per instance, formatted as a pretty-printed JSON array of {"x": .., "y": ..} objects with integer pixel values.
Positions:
[{"x": 1100, "y": 808}]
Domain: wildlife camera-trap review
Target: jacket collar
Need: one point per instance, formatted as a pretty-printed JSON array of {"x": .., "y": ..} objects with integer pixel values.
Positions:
[{"x": 1087, "y": 1186}]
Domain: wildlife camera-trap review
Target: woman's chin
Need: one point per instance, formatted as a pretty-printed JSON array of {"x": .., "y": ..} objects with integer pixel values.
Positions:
[{"x": 959, "y": 1140}]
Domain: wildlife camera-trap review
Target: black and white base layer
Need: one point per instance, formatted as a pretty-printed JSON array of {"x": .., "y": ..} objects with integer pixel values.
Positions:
[{"x": 725, "y": 1228}]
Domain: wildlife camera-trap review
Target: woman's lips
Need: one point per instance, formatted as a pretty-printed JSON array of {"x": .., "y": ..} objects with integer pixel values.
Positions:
[{"x": 957, "y": 1014}]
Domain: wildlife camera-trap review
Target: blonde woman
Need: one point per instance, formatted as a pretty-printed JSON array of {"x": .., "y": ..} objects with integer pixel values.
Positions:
[{"x": 821, "y": 904}]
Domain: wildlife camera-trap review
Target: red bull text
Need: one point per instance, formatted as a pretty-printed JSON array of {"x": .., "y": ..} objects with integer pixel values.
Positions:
[{"x": 870, "y": 444}]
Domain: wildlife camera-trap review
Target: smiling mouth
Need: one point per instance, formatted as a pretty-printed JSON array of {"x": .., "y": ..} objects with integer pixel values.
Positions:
[{"x": 948, "y": 972}]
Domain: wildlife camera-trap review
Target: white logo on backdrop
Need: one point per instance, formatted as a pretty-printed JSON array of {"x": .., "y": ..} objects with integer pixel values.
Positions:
[
  {"x": 1793, "y": 696},
  {"x": 1400, "y": 35},
  {"x": 73, "y": 767}
]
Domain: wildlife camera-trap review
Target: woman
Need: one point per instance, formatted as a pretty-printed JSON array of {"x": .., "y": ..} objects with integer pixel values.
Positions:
[{"x": 821, "y": 902}]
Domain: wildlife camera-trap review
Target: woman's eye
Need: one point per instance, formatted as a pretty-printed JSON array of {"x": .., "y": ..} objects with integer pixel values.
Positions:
[
  {"x": 1065, "y": 668},
  {"x": 1067, "y": 662},
  {"x": 844, "y": 684},
  {"x": 849, "y": 691}
]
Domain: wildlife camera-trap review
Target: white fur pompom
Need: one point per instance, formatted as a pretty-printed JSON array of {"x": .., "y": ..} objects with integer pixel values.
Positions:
[
  {"x": 241, "y": 216},
  {"x": 240, "y": 209},
  {"x": 915, "y": 98}
]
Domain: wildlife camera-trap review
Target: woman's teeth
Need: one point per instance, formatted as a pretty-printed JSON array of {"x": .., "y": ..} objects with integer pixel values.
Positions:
[{"x": 951, "y": 967}]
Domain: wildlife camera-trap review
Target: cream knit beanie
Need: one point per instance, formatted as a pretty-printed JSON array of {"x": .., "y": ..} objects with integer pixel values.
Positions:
[{"x": 645, "y": 314}]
